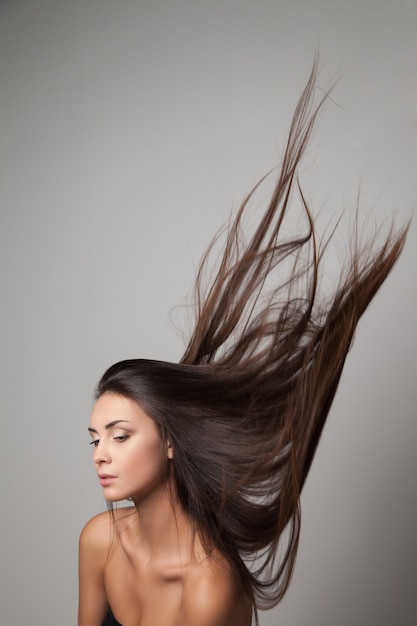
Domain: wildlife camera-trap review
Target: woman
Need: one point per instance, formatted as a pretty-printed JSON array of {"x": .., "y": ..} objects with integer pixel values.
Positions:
[{"x": 213, "y": 451}]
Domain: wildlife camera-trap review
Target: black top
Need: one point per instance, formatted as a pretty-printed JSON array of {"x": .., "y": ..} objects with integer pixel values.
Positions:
[{"x": 110, "y": 620}]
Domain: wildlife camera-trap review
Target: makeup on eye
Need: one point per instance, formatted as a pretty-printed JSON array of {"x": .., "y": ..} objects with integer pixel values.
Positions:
[
  {"x": 109, "y": 426},
  {"x": 119, "y": 438}
]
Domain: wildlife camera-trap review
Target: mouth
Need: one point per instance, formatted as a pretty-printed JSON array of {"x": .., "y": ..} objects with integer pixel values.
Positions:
[{"x": 106, "y": 479}]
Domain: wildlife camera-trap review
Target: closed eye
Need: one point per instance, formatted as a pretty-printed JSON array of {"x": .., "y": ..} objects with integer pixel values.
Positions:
[{"x": 121, "y": 438}]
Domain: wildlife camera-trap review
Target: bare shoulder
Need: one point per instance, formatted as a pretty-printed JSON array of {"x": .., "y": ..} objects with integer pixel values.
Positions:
[
  {"x": 212, "y": 599},
  {"x": 96, "y": 531},
  {"x": 95, "y": 540},
  {"x": 99, "y": 532}
]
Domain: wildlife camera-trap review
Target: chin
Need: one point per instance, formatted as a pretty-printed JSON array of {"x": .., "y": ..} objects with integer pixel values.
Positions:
[{"x": 115, "y": 497}]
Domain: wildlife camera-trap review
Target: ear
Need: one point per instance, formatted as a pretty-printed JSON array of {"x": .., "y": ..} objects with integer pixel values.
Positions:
[{"x": 170, "y": 450}]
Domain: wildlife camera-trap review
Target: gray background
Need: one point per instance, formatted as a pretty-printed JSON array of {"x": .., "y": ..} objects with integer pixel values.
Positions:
[{"x": 128, "y": 130}]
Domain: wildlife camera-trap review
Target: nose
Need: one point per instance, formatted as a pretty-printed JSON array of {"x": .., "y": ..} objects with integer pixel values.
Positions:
[{"x": 101, "y": 454}]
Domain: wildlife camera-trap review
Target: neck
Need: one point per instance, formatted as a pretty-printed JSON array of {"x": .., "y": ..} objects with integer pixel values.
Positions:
[{"x": 164, "y": 527}]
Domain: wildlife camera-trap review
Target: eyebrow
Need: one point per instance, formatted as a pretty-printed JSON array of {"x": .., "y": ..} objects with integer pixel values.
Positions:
[{"x": 108, "y": 426}]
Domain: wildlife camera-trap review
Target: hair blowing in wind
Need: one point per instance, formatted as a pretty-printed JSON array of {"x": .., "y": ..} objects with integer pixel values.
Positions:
[{"x": 245, "y": 407}]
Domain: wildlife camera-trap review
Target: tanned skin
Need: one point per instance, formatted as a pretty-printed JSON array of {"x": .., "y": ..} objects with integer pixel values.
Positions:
[{"x": 145, "y": 561}]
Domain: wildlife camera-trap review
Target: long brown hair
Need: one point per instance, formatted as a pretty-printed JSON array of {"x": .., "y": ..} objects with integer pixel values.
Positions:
[{"x": 245, "y": 407}]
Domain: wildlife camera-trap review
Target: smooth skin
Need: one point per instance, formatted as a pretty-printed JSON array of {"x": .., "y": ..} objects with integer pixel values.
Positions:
[{"x": 145, "y": 562}]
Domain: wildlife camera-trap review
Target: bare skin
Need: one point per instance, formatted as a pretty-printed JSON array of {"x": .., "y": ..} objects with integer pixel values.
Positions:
[{"x": 145, "y": 562}]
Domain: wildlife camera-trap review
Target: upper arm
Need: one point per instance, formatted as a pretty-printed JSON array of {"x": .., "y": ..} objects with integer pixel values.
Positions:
[
  {"x": 93, "y": 551},
  {"x": 212, "y": 600}
]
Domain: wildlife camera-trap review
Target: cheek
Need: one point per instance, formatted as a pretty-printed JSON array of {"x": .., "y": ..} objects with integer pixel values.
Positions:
[{"x": 147, "y": 461}]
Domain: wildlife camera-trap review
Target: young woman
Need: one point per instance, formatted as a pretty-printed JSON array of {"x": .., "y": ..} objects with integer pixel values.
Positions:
[{"x": 213, "y": 451}]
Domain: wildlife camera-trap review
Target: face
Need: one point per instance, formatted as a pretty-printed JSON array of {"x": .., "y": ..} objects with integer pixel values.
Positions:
[{"x": 128, "y": 452}]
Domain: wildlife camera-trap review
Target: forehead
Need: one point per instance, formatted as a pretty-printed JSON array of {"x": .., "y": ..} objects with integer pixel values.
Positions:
[{"x": 112, "y": 406}]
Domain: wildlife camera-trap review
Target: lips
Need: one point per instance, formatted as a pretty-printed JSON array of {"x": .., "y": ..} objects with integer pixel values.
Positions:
[{"x": 106, "y": 479}]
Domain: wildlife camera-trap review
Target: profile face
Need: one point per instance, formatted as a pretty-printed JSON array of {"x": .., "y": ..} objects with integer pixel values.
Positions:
[{"x": 128, "y": 452}]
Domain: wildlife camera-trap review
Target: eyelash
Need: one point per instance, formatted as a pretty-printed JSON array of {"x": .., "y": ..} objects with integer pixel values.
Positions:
[{"x": 120, "y": 439}]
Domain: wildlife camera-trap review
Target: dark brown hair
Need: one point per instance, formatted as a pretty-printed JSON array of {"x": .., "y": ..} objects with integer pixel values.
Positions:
[{"x": 245, "y": 407}]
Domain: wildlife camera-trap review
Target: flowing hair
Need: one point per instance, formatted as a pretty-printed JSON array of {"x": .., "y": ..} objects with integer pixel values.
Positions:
[{"x": 245, "y": 407}]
